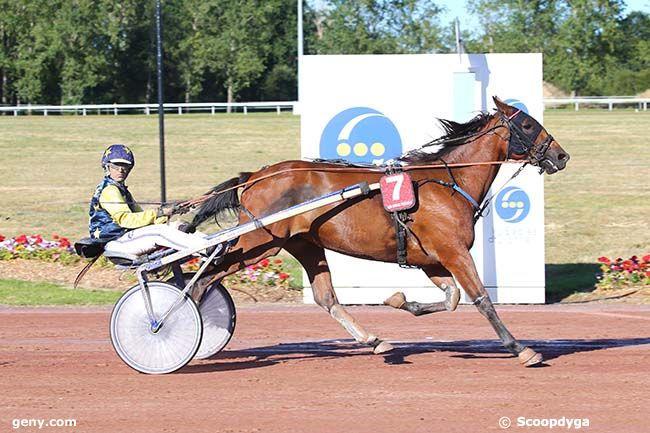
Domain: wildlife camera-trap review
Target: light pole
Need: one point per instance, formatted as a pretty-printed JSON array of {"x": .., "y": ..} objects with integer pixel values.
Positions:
[{"x": 161, "y": 108}]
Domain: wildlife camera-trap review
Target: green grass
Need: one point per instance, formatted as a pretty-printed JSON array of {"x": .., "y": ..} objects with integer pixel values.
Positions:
[
  {"x": 600, "y": 205},
  {"x": 16, "y": 292}
]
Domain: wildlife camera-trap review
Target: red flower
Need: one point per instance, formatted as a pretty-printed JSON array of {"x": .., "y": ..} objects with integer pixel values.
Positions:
[
  {"x": 64, "y": 242},
  {"x": 265, "y": 263},
  {"x": 38, "y": 239},
  {"x": 647, "y": 274},
  {"x": 55, "y": 237},
  {"x": 22, "y": 239},
  {"x": 277, "y": 261},
  {"x": 603, "y": 259},
  {"x": 646, "y": 258},
  {"x": 2, "y": 238},
  {"x": 283, "y": 276}
]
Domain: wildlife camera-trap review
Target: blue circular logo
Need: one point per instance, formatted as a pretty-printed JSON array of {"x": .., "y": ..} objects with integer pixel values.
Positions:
[
  {"x": 512, "y": 204},
  {"x": 517, "y": 104},
  {"x": 360, "y": 134}
]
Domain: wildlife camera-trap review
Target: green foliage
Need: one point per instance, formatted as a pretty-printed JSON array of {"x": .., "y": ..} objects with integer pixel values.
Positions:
[
  {"x": 377, "y": 27},
  {"x": 589, "y": 47},
  {"x": 101, "y": 51}
]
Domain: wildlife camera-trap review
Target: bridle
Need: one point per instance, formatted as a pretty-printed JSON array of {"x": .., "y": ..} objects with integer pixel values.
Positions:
[{"x": 523, "y": 143}]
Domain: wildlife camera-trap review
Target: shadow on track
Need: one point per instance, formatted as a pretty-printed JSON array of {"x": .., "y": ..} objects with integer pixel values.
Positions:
[{"x": 265, "y": 356}]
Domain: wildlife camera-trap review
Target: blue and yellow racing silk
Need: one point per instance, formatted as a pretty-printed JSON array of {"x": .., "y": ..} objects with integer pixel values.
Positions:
[{"x": 113, "y": 211}]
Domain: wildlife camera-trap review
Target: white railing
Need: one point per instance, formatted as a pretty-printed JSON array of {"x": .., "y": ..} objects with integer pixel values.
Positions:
[
  {"x": 278, "y": 106},
  {"x": 180, "y": 108},
  {"x": 610, "y": 101}
]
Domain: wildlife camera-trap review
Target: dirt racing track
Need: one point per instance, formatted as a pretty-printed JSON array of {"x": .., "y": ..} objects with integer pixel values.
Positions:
[{"x": 291, "y": 368}]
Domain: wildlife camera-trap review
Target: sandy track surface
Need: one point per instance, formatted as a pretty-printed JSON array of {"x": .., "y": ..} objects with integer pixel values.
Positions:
[{"x": 290, "y": 368}]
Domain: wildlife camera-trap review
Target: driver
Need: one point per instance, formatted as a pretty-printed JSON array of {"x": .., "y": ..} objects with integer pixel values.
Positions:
[{"x": 116, "y": 218}]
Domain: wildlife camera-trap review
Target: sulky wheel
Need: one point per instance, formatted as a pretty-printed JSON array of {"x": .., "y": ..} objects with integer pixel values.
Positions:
[
  {"x": 218, "y": 313},
  {"x": 219, "y": 318},
  {"x": 159, "y": 351}
]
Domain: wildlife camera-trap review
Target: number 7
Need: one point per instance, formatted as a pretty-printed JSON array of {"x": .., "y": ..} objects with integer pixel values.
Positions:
[{"x": 398, "y": 180}]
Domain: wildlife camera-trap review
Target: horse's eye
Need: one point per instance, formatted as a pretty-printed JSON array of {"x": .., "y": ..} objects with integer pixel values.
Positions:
[{"x": 527, "y": 126}]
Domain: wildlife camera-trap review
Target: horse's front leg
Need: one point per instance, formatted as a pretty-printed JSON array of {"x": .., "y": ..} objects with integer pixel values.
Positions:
[
  {"x": 462, "y": 266},
  {"x": 313, "y": 260},
  {"x": 444, "y": 281}
]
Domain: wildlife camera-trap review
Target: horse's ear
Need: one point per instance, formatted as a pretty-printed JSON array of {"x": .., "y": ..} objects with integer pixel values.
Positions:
[{"x": 502, "y": 106}]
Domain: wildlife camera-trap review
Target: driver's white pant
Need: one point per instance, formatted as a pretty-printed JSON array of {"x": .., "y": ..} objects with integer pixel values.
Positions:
[{"x": 147, "y": 239}]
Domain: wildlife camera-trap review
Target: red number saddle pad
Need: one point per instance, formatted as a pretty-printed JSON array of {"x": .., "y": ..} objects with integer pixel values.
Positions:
[{"x": 397, "y": 192}]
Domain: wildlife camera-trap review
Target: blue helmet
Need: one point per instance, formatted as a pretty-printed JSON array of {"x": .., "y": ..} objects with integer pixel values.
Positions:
[{"x": 118, "y": 153}]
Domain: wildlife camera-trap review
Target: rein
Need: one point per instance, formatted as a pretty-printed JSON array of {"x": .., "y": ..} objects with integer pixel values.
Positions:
[
  {"x": 185, "y": 206},
  {"x": 523, "y": 145}
]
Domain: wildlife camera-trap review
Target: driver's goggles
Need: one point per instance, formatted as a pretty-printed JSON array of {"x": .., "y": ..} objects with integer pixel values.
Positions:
[{"x": 121, "y": 167}]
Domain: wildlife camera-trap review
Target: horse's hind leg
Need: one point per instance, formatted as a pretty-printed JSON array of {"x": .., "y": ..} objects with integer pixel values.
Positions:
[
  {"x": 313, "y": 259},
  {"x": 442, "y": 278},
  {"x": 461, "y": 265}
]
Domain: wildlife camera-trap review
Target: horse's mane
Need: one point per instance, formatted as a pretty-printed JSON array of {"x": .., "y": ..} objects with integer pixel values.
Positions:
[{"x": 456, "y": 134}]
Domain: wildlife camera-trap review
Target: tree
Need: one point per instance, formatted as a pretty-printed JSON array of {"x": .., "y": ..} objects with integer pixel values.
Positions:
[
  {"x": 377, "y": 27},
  {"x": 579, "y": 38},
  {"x": 234, "y": 41},
  {"x": 584, "y": 50}
]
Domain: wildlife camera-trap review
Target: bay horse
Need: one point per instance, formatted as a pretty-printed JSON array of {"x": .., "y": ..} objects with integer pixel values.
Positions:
[{"x": 440, "y": 227}]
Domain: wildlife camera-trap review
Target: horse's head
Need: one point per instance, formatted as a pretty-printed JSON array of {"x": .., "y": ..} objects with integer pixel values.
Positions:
[{"x": 529, "y": 140}]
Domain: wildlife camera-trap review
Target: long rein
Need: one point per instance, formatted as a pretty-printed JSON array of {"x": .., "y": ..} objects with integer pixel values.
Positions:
[{"x": 185, "y": 206}]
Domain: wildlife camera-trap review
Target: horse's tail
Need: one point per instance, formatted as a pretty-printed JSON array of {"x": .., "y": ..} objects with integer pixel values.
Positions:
[{"x": 224, "y": 198}]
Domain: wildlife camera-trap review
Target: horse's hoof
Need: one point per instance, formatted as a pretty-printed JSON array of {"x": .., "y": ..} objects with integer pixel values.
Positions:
[
  {"x": 528, "y": 357},
  {"x": 396, "y": 301},
  {"x": 382, "y": 347}
]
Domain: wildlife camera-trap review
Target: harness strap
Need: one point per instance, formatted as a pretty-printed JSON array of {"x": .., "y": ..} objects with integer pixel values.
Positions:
[
  {"x": 464, "y": 193},
  {"x": 481, "y": 210},
  {"x": 401, "y": 230}
]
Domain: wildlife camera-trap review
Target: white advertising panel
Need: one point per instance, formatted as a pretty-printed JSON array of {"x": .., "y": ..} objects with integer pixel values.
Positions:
[{"x": 370, "y": 108}]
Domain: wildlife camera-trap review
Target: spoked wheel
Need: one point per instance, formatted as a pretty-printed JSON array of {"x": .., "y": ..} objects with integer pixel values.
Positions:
[
  {"x": 146, "y": 349},
  {"x": 219, "y": 319}
]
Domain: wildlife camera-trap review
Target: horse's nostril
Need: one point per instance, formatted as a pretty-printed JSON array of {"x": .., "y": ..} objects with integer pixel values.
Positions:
[{"x": 562, "y": 156}]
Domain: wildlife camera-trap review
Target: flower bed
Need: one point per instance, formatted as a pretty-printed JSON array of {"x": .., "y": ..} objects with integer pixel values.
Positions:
[
  {"x": 268, "y": 273},
  {"x": 619, "y": 273},
  {"x": 35, "y": 247}
]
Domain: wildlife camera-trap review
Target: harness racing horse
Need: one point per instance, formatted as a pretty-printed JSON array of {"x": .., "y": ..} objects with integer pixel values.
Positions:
[{"x": 440, "y": 227}]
